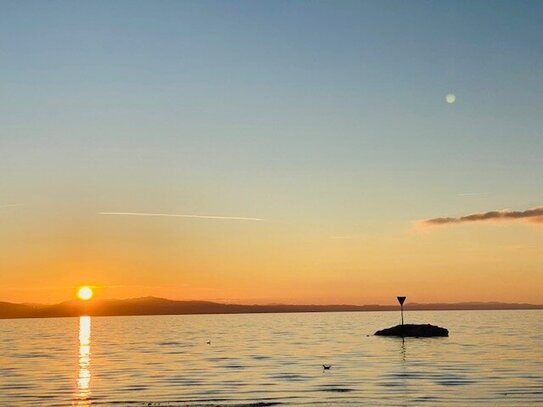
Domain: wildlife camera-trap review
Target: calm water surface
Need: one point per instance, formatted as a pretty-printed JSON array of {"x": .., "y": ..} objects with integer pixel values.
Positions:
[{"x": 492, "y": 358}]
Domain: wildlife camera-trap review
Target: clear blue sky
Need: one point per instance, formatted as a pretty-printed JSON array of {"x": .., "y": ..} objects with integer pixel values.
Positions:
[{"x": 329, "y": 117}]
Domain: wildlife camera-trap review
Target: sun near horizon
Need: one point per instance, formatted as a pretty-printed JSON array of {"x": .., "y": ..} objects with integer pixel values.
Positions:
[{"x": 85, "y": 293}]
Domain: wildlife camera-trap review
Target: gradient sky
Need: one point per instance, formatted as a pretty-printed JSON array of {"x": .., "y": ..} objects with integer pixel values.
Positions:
[{"x": 325, "y": 119}]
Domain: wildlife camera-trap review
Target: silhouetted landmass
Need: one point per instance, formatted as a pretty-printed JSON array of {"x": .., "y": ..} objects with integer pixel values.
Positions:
[
  {"x": 161, "y": 306},
  {"x": 414, "y": 330}
]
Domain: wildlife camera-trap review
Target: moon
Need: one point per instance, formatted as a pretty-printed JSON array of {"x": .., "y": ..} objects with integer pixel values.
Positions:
[
  {"x": 85, "y": 293},
  {"x": 450, "y": 98}
]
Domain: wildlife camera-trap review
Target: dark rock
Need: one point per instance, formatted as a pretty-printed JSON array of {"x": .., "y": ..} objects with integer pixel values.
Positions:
[{"x": 422, "y": 330}]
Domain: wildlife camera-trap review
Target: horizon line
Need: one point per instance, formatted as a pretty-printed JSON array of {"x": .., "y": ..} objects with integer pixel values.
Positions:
[{"x": 271, "y": 304}]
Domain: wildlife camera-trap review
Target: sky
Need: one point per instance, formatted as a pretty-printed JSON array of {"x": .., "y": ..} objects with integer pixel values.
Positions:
[{"x": 265, "y": 152}]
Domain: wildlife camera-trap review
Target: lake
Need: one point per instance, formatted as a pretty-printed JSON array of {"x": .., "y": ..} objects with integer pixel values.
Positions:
[{"x": 492, "y": 358}]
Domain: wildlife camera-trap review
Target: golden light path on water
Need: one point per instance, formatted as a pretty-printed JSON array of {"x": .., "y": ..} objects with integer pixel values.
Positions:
[{"x": 84, "y": 375}]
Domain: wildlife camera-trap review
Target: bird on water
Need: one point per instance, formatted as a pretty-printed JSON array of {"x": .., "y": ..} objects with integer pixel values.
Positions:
[{"x": 326, "y": 367}]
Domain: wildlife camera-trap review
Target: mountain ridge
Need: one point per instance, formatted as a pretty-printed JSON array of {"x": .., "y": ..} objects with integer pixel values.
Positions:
[{"x": 163, "y": 306}]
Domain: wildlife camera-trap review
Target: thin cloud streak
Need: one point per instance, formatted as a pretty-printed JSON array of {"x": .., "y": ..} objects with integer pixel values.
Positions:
[
  {"x": 173, "y": 215},
  {"x": 471, "y": 193},
  {"x": 343, "y": 237},
  {"x": 10, "y": 205},
  {"x": 533, "y": 215}
]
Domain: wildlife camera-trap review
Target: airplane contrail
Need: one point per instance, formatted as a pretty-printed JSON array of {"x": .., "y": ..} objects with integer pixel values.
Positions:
[{"x": 173, "y": 215}]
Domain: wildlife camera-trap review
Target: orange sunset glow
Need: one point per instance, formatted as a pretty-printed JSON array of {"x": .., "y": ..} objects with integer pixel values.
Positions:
[
  {"x": 260, "y": 183},
  {"x": 271, "y": 203}
]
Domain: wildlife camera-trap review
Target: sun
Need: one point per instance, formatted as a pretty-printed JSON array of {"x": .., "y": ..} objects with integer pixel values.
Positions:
[{"x": 84, "y": 293}]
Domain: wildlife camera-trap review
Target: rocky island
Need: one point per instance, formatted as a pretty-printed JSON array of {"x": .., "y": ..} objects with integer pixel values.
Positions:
[{"x": 413, "y": 330}]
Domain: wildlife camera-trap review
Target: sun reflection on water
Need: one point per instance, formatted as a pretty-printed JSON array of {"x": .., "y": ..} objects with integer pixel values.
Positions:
[{"x": 84, "y": 376}]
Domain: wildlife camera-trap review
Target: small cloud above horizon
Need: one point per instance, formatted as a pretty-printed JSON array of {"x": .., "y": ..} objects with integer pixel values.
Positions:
[
  {"x": 174, "y": 215},
  {"x": 533, "y": 215}
]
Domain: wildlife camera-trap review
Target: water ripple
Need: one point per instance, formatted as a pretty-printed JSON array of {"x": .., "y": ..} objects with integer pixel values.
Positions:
[{"x": 491, "y": 358}]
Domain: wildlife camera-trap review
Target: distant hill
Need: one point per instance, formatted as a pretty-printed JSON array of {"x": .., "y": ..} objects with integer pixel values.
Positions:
[{"x": 162, "y": 306}]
